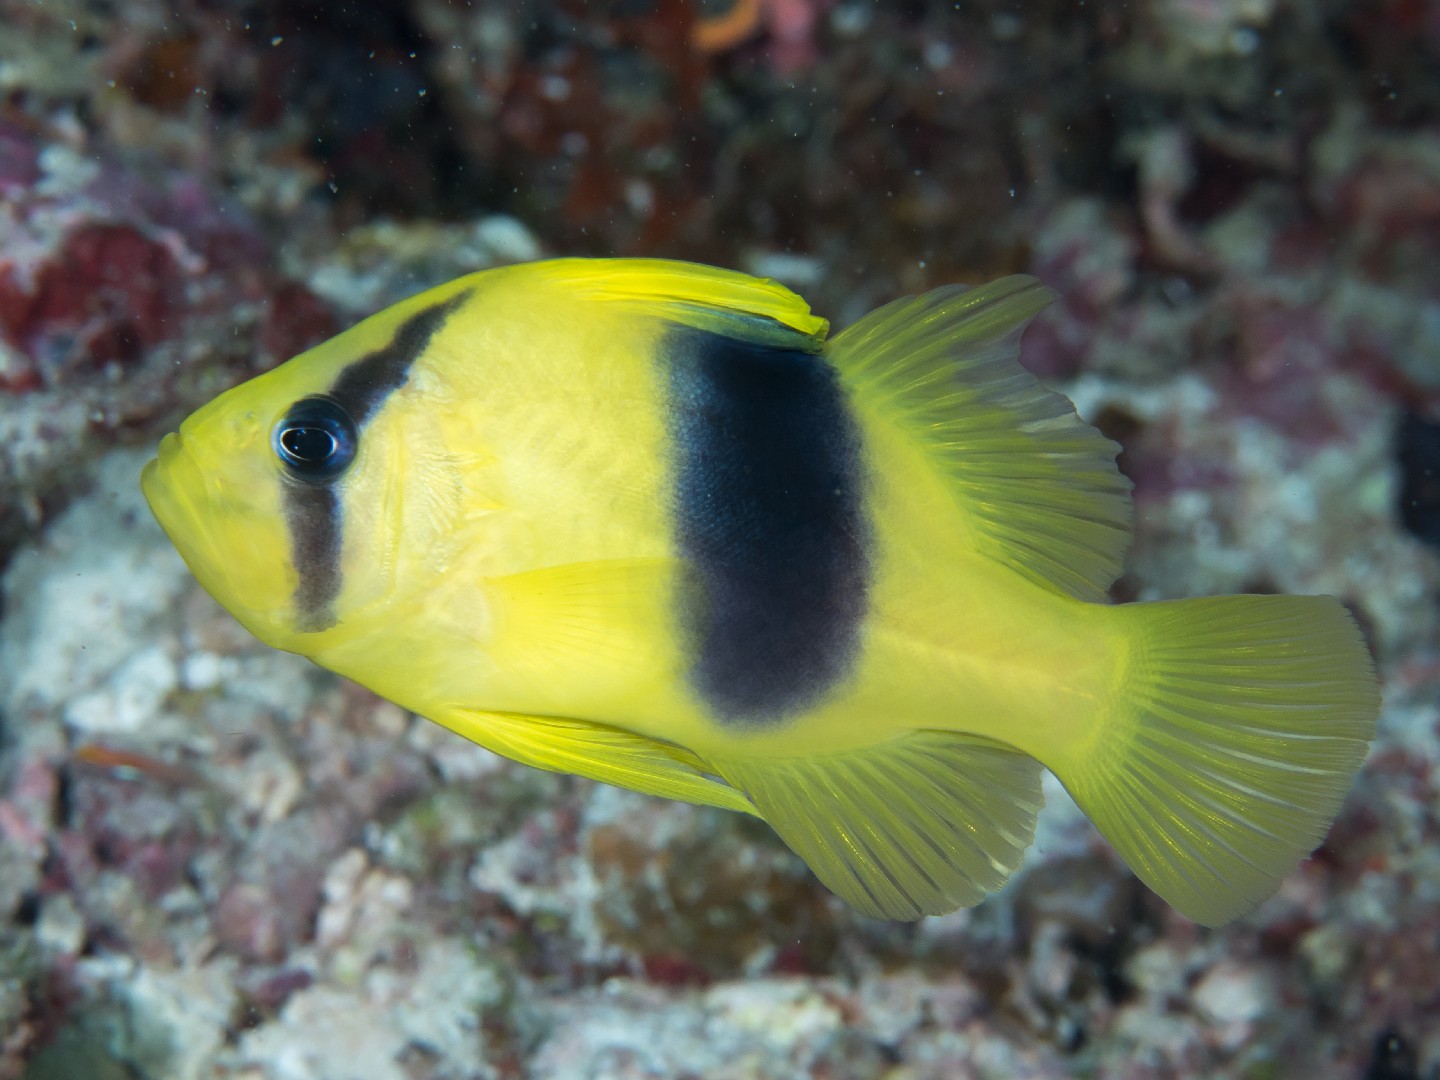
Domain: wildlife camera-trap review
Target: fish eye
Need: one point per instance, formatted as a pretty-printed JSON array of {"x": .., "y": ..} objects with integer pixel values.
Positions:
[{"x": 315, "y": 439}]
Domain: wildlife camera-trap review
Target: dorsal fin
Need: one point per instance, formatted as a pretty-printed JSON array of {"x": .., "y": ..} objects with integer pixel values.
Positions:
[
  {"x": 727, "y": 302},
  {"x": 1039, "y": 485}
]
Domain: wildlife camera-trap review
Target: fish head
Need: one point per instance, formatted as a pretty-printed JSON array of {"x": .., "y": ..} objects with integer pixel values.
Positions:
[
  {"x": 312, "y": 499},
  {"x": 220, "y": 489}
]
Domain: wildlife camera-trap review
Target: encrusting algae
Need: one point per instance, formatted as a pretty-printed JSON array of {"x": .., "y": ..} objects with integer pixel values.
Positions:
[{"x": 641, "y": 521}]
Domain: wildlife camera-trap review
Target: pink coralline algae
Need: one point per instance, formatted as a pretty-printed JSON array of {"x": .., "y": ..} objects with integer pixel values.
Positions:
[
  {"x": 104, "y": 297},
  {"x": 111, "y": 286}
]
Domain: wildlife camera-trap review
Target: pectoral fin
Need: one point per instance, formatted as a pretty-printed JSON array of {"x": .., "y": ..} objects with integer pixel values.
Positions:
[{"x": 589, "y": 622}]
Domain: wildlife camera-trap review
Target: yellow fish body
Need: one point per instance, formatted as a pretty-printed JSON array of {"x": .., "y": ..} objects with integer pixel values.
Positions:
[{"x": 641, "y": 521}]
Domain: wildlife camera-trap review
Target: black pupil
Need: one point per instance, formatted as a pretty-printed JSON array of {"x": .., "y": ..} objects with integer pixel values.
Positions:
[
  {"x": 312, "y": 445},
  {"x": 316, "y": 440}
]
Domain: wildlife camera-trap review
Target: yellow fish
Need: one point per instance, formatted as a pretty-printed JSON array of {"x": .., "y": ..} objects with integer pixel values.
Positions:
[{"x": 643, "y": 521}]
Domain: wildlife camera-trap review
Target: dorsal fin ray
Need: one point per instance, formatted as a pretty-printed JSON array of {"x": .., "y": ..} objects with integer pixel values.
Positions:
[
  {"x": 751, "y": 309},
  {"x": 1038, "y": 485}
]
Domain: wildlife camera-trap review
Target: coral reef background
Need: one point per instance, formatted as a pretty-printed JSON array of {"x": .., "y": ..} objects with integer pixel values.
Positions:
[{"x": 218, "y": 861}]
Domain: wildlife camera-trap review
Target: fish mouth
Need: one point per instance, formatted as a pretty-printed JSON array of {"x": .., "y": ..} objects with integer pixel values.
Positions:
[
  {"x": 160, "y": 486},
  {"x": 153, "y": 484},
  {"x": 169, "y": 482},
  {"x": 194, "y": 494}
]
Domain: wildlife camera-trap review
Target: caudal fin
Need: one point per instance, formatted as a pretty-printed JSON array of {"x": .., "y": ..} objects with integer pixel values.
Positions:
[{"x": 1246, "y": 719}]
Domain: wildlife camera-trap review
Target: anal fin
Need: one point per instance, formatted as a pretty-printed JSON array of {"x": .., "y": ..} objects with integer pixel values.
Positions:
[
  {"x": 921, "y": 825},
  {"x": 598, "y": 752}
]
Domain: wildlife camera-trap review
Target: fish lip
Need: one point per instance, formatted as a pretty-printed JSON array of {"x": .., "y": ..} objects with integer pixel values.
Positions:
[
  {"x": 157, "y": 481},
  {"x": 168, "y": 482}
]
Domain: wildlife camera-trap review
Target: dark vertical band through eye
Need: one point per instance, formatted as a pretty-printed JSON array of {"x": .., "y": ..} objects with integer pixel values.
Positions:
[{"x": 318, "y": 440}]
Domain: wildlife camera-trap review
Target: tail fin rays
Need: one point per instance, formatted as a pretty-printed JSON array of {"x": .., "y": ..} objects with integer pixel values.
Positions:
[{"x": 1245, "y": 722}]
